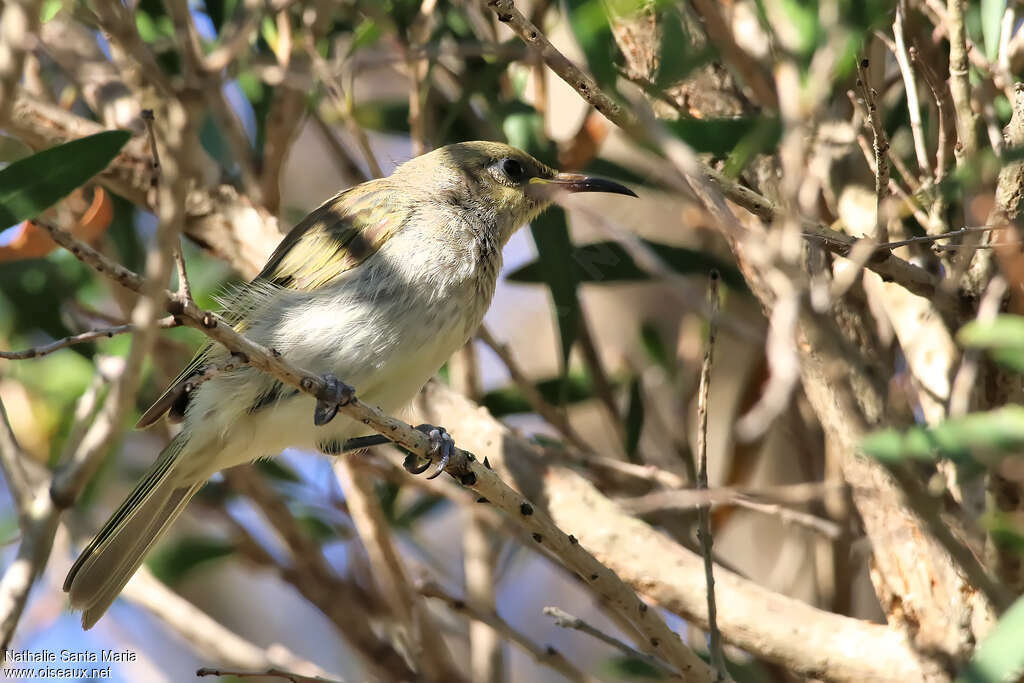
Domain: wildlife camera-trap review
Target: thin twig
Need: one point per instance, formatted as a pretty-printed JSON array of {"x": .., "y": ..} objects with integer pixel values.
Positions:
[
  {"x": 418, "y": 34},
  {"x": 19, "y": 22},
  {"x": 548, "y": 656},
  {"x": 271, "y": 673},
  {"x": 913, "y": 105},
  {"x": 557, "y": 418},
  {"x": 602, "y": 384},
  {"x": 565, "y": 620},
  {"x": 71, "y": 477},
  {"x": 461, "y": 465},
  {"x": 959, "y": 81},
  {"x": 691, "y": 498},
  {"x": 350, "y": 609},
  {"x": 704, "y": 511},
  {"x": 881, "y": 148},
  {"x": 344, "y": 103},
  {"x": 966, "y": 374},
  {"x": 940, "y": 93},
  {"x": 12, "y": 462},
  {"x": 480, "y": 554},
  {"x": 92, "y": 335},
  {"x": 210, "y": 639},
  {"x": 210, "y": 87},
  {"x": 426, "y": 645},
  {"x": 797, "y": 635},
  {"x": 184, "y": 289}
]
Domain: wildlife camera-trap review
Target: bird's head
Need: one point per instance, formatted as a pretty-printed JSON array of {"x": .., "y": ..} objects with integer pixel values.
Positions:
[{"x": 493, "y": 183}]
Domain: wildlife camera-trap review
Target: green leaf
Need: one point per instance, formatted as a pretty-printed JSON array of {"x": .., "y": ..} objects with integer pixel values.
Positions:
[
  {"x": 983, "y": 438},
  {"x": 509, "y": 400},
  {"x": 1000, "y": 656},
  {"x": 634, "y": 419},
  {"x": 383, "y": 116},
  {"x": 171, "y": 562},
  {"x": 418, "y": 509},
  {"x": 274, "y": 469},
  {"x": 12, "y": 149},
  {"x": 677, "y": 56},
  {"x": 722, "y": 136},
  {"x": 590, "y": 25},
  {"x": 804, "y": 18},
  {"x": 1003, "y": 332},
  {"x": 554, "y": 248},
  {"x": 655, "y": 347},
  {"x": 609, "y": 263},
  {"x": 366, "y": 34},
  {"x": 762, "y": 136},
  {"x": 1010, "y": 358},
  {"x": 318, "y": 528},
  {"x": 631, "y": 668},
  {"x": 50, "y": 9},
  {"x": 31, "y": 185},
  {"x": 991, "y": 23},
  {"x": 1002, "y": 337}
]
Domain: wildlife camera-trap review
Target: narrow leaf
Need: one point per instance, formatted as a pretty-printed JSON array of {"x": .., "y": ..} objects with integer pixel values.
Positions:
[
  {"x": 509, "y": 400},
  {"x": 172, "y": 562},
  {"x": 720, "y": 136},
  {"x": 634, "y": 419},
  {"x": 1003, "y": 332},
  {"x": 983, "y": 438},
  {"x": 1000, "y": 656},
  {"x": 991, "y": 23},
  {"x": 31, "y": 185},
  {"x": 609, "y": 263}
]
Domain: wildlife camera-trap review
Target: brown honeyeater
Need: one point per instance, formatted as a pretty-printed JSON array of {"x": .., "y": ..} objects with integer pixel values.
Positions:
[{"x": 379, "y": 286}]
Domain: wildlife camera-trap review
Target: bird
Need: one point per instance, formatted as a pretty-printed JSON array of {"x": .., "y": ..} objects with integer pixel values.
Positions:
[{"x": 379, "y": 286}]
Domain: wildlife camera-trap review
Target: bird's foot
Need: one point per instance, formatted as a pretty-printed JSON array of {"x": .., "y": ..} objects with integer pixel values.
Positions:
[
  {"x": 335, "y": 394},
  {"x": 441, "y": 445}
]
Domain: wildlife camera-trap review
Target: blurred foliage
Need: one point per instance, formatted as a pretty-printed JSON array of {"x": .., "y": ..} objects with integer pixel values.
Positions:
[
  {"x": 489, "y": 100},
  {"x": 173, "y": 560},
  {"x": 1002, "y": 338},
  {"x": 33, "y": 184},
  {"x": 999, "y": 657},
  {"x": 979, "y": 438},
  {"x": 609, "y": 263},
  {"x": 573, "y": 388}
]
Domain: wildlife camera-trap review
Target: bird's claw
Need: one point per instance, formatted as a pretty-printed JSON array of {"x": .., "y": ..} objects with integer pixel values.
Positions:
[
  {"x": 335, "y": 394},
  {"x": 441, "y": 444}
]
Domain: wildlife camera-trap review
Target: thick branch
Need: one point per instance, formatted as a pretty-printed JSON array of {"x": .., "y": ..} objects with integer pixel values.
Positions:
[{"x": 810, "y": 641}]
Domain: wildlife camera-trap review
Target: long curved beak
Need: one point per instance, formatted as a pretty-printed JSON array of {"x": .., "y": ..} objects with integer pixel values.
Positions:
[{"x": 577, "y": 182}]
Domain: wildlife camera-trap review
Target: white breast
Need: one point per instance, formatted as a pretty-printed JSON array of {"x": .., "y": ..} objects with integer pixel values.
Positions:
[{"x": 385, "y": 328}]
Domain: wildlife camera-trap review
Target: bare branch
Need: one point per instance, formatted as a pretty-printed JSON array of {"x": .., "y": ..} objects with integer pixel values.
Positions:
[
  {"x": 269, "y": 673},
  {"x": 547, "y": 656},
  {"x": 566, "y": 620},
  {"x": 19, "y": 21},
  {"x": 92, "y": 335},
  {"x": 557, "y": 418},
  {"x": 704, "y": 511},
  {"x": 798, "y": 636},
  {"x": 913, "y": 105},
  {"x": 13, "y": 463},
  {"x": 959, "y": 81},
  {"x": 880, "y": 145},
  {"x": 426, "y": 645},
  {"x": 209, "y": 638}
]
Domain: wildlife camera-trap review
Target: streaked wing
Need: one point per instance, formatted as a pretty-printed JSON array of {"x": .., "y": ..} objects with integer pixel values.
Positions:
[{"x": 335, "y": 238}]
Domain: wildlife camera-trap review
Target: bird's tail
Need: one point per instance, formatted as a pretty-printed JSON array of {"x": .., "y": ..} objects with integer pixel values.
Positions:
[{"x": 109, "y": 561}]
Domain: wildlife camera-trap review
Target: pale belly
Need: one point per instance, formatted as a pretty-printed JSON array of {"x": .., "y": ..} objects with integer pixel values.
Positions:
[{"x": 386, "y": 348}]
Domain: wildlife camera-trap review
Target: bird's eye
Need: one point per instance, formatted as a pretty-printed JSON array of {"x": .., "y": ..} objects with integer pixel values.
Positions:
[{"x": 514, "y": 170}]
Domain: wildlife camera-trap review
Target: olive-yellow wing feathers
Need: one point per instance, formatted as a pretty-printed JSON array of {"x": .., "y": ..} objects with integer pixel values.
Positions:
[{"x": 333, "y": 239}]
